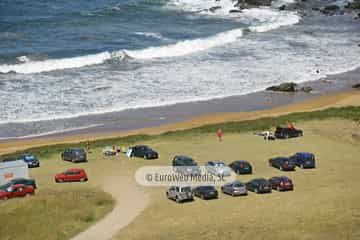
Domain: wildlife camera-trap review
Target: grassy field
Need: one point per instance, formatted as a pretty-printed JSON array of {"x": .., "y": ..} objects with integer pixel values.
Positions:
[
  {"x": 324, "y": 204},
  {"x": 53, "y": 213}
]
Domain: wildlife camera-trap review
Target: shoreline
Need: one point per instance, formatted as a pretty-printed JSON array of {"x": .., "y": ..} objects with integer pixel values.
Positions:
[
  {"x": 150, "y": 117},
  {"x": 337, "y": 99}
]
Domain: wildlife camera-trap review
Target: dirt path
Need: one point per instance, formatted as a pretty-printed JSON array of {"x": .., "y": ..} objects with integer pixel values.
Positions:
[{"x": 130, "y": 202}]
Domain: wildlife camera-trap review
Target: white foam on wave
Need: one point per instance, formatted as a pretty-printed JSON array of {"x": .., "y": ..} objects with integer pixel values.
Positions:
[
  {"x": 221, "y": 8},
  {"x": 186, "y": 47},
  {"x": 56, "y": 64},
  {"x": 151, "y": 35},
  {"x": 262, "y": 19}
]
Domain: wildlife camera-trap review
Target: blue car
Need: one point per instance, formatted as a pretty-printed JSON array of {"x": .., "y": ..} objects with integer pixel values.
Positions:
[
  {"x": 30, "y": 159},
  {"x": 304, "y": 159}
]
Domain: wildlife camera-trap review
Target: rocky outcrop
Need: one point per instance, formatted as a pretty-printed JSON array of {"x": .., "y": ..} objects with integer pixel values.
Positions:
[
  {"x": 306, "y": 89},
  {"x": 284, "y": 87},
  {"x": 242, "y": 4},
  {"x": 289, "y": 87},
  {"x": 355, "y": 5},
  {"x": 330, "y": 10},
  {"x": 356, "y": 86}
]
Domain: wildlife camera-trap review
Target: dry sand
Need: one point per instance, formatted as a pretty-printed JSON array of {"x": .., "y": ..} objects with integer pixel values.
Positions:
[{"x": 347, "y": 98}]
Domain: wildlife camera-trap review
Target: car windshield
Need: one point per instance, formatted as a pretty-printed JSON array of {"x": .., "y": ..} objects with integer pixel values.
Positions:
[
  {"x": 219, "y": 164},
  {"x": 186, "y": 189},
  {"x": 188, "y": 161},
  {"x": 3, "y": 187},
  {"x": 207, "y": 188},
  {"x": 79, "y": 152},
  {"x": 238, "y": 184},
  {"x": 29, "y": 157}
]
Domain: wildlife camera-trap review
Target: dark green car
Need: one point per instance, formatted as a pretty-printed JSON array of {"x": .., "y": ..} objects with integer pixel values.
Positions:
[{"x": 25, "y": 181}]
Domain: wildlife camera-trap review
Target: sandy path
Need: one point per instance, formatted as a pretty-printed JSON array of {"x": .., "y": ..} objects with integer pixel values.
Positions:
[{"x": 130, "y": 202}]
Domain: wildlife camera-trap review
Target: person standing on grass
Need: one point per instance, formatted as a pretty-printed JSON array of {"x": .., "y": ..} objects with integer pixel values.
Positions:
[{"x": 219, "y": 134}]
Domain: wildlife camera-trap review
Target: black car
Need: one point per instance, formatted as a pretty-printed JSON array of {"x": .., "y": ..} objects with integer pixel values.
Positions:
[
  {"x": 259, "y": 185},
  {"x": 286, "y": 132},
  {"x": 205, "y": 192},
  {"x": 282, "y": 163},
  {"x": 74, "y": 155},
  {"x": 304, "y": 159},
  {"x": 241, "y": 167},
  {"x": 25, "y": 181},
  {"x": 143, "y": 151},
  {"x": 185, "y": 165},
  {"x": 30, "y": 159}
]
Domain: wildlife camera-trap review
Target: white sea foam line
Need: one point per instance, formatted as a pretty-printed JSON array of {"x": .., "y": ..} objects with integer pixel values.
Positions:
[
  {"x": 52, "y": 132},
  {"x": 268, "y": 18}
]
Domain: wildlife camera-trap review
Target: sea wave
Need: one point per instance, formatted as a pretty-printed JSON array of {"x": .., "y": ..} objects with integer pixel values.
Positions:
[{"x": 263, "y": 19}]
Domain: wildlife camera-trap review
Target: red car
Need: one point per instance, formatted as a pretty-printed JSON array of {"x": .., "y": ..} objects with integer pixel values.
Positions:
[
  {"x": 72, "y": 175},
  {"x": 281, "y": 183},
  {"x": 17, "y": 190}
]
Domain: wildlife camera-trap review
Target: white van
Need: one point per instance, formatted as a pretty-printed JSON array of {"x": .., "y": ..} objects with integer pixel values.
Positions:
[{"x": 13, "y": 169}]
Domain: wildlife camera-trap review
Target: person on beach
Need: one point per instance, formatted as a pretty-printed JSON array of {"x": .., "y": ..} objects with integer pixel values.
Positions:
[
  {"x": 290, "y": 125},
  {"x": 219, "y": 134}
]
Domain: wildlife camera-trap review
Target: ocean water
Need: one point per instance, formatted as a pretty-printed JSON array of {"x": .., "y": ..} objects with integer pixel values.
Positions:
[{"x": 61, "y": 59}]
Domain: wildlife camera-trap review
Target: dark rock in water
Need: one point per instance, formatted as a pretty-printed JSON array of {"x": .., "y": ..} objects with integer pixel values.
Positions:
[
  {"x": 235, "y": 11},
  {"x": 306, "y": 89},
  {"x": 213, "y": 9},
  {"x": 316, "y": 9},
  {"x": 284, "y": 87},
  {"x": 357, "y": 86},
  {"x": 355, "y": 5},
  {"x": 330, "y": 9},
  {"x": 242, "y": 4},
  {"x": 282, "y": 7}
]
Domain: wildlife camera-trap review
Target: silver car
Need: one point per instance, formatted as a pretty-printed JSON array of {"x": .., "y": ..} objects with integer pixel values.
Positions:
[
  {"x": 180, "y": 193},
  {"x": 235, "y": 188},
  {"x": 218, "y": 168}
]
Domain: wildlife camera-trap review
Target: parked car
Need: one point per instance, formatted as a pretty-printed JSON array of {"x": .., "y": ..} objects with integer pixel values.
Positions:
[
  {"x": 259, "y": 185},
  {"x": 144, "y": 151},
  {"x": 217, "y": 168},
  {"x": 74, "y": 155},
  {"x": 23, "y": 181},
  {"x": 281, "y": 183},
  {"x": 17, "y": 190},
  {"x": 286, "y": 132},
  {"x": 72, "y": 175},
  {"x": 205, "y": 192},
  {"x": 241, "y": 167},
  {"x": 304, "y": 159},
  {"x": 282, "y": 163},
  {"x": 235, "y": 188},
  {"x": 185, "y": 165},
  {"x": 30, "y": 159},
  {"x": 180, "y": 193},
  {"x": 109, "y": 151}
]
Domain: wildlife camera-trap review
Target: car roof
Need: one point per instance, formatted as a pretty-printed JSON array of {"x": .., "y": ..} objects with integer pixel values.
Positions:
[
  {"x": 282, "y": 158},
  {"x": 236, "y": 181},
  {"x": 282, "y": 177},
  {"x": 259, "y": 179},
  {"x": 74, "y": 169},
  {"x": 182, "y": 157},
  {"x": 241, "y": 161},
  {"x": 142, "y": 146},
  {"x": 76, "y": 149},
  {"x": 305, "y": 154}
]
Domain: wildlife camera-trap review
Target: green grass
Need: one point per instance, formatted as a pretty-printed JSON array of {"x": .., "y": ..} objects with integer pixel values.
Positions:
[
  {"x": 53, "y": 214},
  {"x": 348, "y": 113},
  {"x": 324, "y": 204}
]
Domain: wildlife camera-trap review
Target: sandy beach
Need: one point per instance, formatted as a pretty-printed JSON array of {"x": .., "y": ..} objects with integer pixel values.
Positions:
[{"x": 344, "y": 98}]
